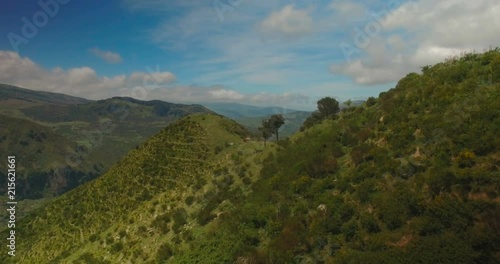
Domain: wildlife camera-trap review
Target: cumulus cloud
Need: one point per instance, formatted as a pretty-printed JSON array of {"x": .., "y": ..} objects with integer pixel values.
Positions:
[
  {"x": 288, "y": 23},
  {"x": 153, "y": 77},
  {"x": 81, "y": 81},
  {"x": 347, "y": 9},
  {"x": 419, "y": 33},
  {"x": 108, "y": 56},
  {"x": 223, "y": 94}
]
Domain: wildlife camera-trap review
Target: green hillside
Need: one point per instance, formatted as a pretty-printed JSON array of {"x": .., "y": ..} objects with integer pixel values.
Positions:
[
  {"x": 166, "y": 190},
  {"x": 10, "y": 93},
  {"x": 86, "y": 137},
  {"x": 41, "y": 156},
  {"x": 409, "y": 177}
]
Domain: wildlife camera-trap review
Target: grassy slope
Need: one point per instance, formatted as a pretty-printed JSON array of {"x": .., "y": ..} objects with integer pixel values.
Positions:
[{"x": 140, "y": 204}]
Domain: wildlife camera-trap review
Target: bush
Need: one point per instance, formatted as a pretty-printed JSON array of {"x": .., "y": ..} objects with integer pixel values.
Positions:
[
  {"x": 189, "y": 200},
  {"x": 164, "y": 252},
  {"x": 371, "y": 101},
  {"x": 466, "y": 158},
  {"x": 161, "y": 222},
  {"x": 117, "y": 247},
  {"x": 93, "y": 237},
  {"x": 369, "y": 223},
  {"x": 180, "y": 219}
]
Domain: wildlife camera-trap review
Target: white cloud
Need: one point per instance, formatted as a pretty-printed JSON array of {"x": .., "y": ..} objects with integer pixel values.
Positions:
[
  {"x": 84, "y": 82},
  {"x": 155, "y": 77},
  {"x": 424, "y": 32},
  {"x": 223, "y": 94},
  {"x": 347, "y": 8},
  {"x": 253, "y": 45},
  {"x": 288, "y": 23},
  {"x": 81, "y": 81},
  {"x": 108, "y": 56}
]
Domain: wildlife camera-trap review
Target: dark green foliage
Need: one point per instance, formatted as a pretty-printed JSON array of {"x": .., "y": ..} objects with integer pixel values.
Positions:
[
  {"x": 89, "y": 258},
  {"x": 162, "y": 223},
  {"x": 189, "y": 200},
  {"x": 328, "y": 106},
  {"x": 93, "y": 237},
  {"x": 265, "y": 130},
  {"x": 117, "y": 247},
  {"x": 271, "y": 126},
  {"x": 327, "y": 109},
  {"x": 179, "y": 217},
  {"x": 164, "y": 253},
  {"x": 371, "y": 101}
]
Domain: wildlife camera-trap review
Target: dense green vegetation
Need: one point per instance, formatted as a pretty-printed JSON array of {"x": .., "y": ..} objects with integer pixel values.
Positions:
[{"x": 409, "y": 177}]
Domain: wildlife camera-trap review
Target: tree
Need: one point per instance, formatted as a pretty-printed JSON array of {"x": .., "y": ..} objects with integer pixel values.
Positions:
[
  {"x": 271, "y": 126},
  {"x": 275, "y": 122},
  {"x": 265, "y": 130},
  {"x": 371, "y": 101},
  {"x": 328, "y": 106}
]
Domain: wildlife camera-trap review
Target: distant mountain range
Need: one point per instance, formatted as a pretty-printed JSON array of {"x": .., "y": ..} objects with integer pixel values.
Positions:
[
  {"x": 251, "y": 116},
  {"x": 10, "y": 92},
  {"x": 237, "y": 111}
]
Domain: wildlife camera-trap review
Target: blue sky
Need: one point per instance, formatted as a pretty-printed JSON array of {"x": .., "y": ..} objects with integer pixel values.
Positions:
[{"x": 285, "y": 53}]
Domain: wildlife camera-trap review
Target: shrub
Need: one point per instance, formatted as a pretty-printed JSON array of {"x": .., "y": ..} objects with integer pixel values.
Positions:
[
  {"x": 117, "y": 247},
  {"x": 371, "y": 101},
  {"x": 180, "y": 219},
  {"x": 161, "y": 222},
  {"x": 369, "y": 223},
  {"x": 189, "y": 200},
  {"x": 466, "y": 158},
  {"x": 93, "y": 237},
  {"x": 164, "y": 252}
]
